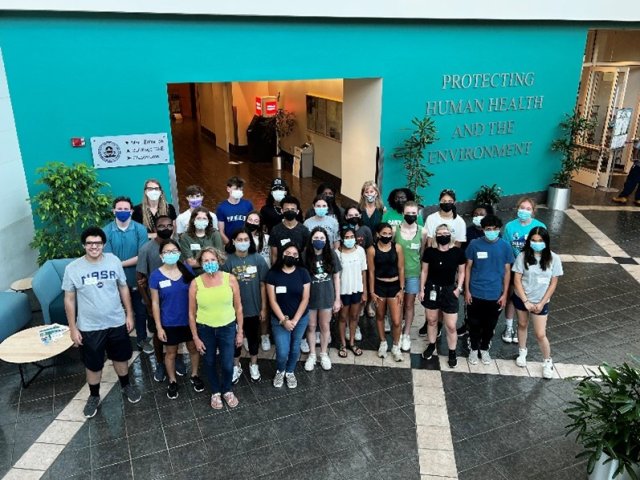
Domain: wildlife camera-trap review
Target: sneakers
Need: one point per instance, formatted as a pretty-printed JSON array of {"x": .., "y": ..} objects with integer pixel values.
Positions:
[
  {"x": 462, "y": 331},
  {"x": 278, "y": 380},
  {"x": 405, "y": 343},
  {"x": 428, "y": 353},
  {"x": 91, "y": 407},
  {"x": 146, "y": 346},
  {"x": 521, "y": 361},
  {"x": 237, "y": 373},
  {"x": 181, "y": 368},
  {"x": 485, "y": 357},
  {"x": 265, "y": 343},
  {"x": 325, "y": 361},
  {"x": 547, "y": 368},
  {"x": 132, "y": 393},
  {"x": 387, "y": 325},
  {"x": 507, "y": 335},
  {"x": 473, "y": 357},
  {"x": 310, "y": 364},
  {"x": 254, "y": 372},
  {"x": 292, "y": 382},
  {"x": 317, "y": 338},
  {"x": 304, "y": 346},
  {"x": 382, "y": 349},
  {"x": 358, "y": 334},
  {"x": 197, "y": 384},
  {"x": 514, "y": 339},
  {"x": 397, "y": 353},
  {"x": 160, "y": 375},
  {"x": 423, "y": 330},
  {"x": 453, "y": 359},
  {"x": 172, "y": 391},
  {"x": 619, "y": 199}
]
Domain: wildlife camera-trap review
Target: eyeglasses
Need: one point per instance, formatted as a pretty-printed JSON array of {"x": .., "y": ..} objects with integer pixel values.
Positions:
[
  {"x": 153, "y": 189},
  {"x": 93, "y": 244},
  {"x": 171, "y": 251}
]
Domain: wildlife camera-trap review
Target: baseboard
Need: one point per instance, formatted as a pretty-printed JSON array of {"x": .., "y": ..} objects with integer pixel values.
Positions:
[
  {"x": 238, "y": 149},
  {"x": 208, "y": 134}
]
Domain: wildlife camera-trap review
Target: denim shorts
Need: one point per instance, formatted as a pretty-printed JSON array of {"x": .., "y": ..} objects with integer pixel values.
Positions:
[{"x": 412, "y": 285}]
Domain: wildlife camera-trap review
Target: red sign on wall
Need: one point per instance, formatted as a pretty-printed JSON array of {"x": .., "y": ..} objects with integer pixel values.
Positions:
[{"x": 266, "y": 106}]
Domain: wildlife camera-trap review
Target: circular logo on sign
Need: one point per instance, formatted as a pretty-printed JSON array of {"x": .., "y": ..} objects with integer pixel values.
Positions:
[{"x": 109, "y": 152}]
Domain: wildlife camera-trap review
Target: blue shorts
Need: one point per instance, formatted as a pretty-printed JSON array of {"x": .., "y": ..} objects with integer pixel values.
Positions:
[
  {"x": 351, "y": 299},
  {"x": 412, "y": 285},
  {"x": 519, "y": 305}
]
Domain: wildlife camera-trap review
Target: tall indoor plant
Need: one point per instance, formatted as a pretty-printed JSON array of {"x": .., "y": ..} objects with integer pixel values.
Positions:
[
  {"x": 284, "y": 123},
  {"x": 488, "y": 195}
]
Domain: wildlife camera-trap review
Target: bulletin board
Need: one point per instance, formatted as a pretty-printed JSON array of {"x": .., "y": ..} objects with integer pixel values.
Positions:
[{"x": 324, "y": 117}]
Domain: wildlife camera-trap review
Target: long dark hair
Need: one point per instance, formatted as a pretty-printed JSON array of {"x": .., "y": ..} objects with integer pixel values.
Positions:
[
  {"x": 231, "y": 248},
  {"x": 327, "y": 255},
  {"x": 545, "y": 255},
  {"x": 381, "y": 226},
  {"x": 191, "y": 230},
  {"x": 346, "y": 228},
  {"x": 187, "y": 276},
  {"x": 260, "y": 230},
  {"x": 334, "y": 209},
  {"x": 278, "y": 264},
  {"x": 391, "y": 199},
  {"x": 450, "y": 193}
]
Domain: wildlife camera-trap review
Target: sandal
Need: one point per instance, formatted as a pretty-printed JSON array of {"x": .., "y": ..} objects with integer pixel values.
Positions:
[
  {"x": 355, "y": 349},
  {"x": 231, "y": 399},
  {"x": 342, "y": 351},
  {"x": 216, "y": 401}
]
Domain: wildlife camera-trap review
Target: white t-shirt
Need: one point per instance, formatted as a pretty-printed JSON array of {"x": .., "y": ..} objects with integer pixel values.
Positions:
[
  {"x": 535, "y": 281},
  {"x": 456, "y": 225},
  {"x": 266, "y": 249},
  {"x": 353, "y": 264},
  {"x": 182, "y": 222}
]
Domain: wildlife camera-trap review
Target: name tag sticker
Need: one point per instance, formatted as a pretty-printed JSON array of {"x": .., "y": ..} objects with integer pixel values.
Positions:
[
  {"x": 281, "y": 289},
  {"x": 415, "y": 246},
  {"x": 252, "y": 269},
  {"x": 483, "y": 255},
  {"x": 90, "y": 281},
  {"x": 543, "y": 281},
  {"x": 195, "y": 246},
  {"x": 284, "y": 241},
  {"x": 164, "y": 283}
]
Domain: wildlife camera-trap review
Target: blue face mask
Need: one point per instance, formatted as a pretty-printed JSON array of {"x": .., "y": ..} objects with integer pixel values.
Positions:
[
  {"x": 524, "y": 214},
  {"x": 170, "y": 258},
  {"x": 318, "y": 244},
  {"x": 241, "y": 246},
  {"x": 538, "y": 246},
  {"x": 321, "y": 211},
  {"x": 211, "y": 267},
  {"x": 491, "y": 234},
  {"x": 123, "y": 215},
  {"x": 349, "y": 242}
]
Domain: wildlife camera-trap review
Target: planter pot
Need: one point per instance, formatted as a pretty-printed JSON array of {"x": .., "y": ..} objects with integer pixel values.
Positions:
[
  {"x": 558, "y": 198},
  {"x": 604, "y": 471}
]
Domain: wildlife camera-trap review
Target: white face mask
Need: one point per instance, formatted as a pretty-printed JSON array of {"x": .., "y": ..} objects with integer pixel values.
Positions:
[
  {"x": 237, "y": 194},
  {"x": 153, "y": 195},
  {"x": 477, "y": 219},
  {"x": 278, "y": 195}
]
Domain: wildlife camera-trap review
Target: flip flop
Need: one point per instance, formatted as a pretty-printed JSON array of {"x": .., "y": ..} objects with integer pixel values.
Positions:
[{"x": 356, "y": 350}]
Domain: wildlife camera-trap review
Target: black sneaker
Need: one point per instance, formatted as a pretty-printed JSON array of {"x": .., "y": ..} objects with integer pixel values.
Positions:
[
  {"x": 462, "y": 331},
  {"x": 197, "y": 383},
  {"x": 428, "y": 353},
  {"x": 423, "y": 330},
  {"x": 132, "y": 393},
  {"x": 172, "y": 391},
  {"x": 91, "y": 407},
  {"x": 453, "y": 360}
]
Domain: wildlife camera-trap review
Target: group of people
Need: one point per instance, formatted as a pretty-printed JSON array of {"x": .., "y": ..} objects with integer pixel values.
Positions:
[{"x": 216, "y": 281}]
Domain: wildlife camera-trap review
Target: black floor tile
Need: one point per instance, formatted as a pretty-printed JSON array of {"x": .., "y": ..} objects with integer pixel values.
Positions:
[
  {"x": 377, "y": 402},
  {"x": 216, "y": 424},
  {"x": 182, "y": 433},
  {"x": 152, "y": 466},
  {"x": 121, "y": 471},
  {"x": 290, "y": 427},
  {"x": 188, "y": 456},
  {"x": 109, "y": 453},
  {"x": 147, "y": 443}
]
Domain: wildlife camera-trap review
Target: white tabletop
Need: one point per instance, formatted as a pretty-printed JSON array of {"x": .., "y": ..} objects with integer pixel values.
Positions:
[{"x": 26, "y": 346}]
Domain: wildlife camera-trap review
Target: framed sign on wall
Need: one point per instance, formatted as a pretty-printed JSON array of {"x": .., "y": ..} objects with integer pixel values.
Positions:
[{"x": 324, "y": 117}]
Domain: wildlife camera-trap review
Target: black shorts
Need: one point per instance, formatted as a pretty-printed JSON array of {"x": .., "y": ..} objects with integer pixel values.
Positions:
[
  {"x": 446, "y": 299},
  {"x": 519, "y": 305},
  {"x": 177, "y": 335},
  {"x": 386, "y": 289},
  {"x": 115, "y": 342},
  {"x": 351, "y": 299},
  {"x": 151, "y": 325}
]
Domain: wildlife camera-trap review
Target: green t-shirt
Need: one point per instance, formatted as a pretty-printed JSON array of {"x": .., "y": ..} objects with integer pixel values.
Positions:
[
  {"x": 411, "y": 251},
  {"x": 394, "y": 218}
]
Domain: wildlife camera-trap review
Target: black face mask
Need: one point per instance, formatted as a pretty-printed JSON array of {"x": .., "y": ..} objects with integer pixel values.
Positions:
[
  {"x": 289, "y": 261},
  {"x": 410, "y": 219},
  {"x": 447, "y": 207},
  {"x": 289, "y": 215},
  {"x": 384, "y": 239},
  {"x": 252, "y": 227},
  {"x": 443, "y": 239},
  {"x": 165, "y": 234},
  {"x": 353, "y": 221},
  {"x": 328, "y": 198}
]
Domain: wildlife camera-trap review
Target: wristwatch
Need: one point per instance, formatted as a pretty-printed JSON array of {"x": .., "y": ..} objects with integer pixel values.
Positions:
[
  {"x": 286, "y": 317},
  {"x": 460, "y": 289}
]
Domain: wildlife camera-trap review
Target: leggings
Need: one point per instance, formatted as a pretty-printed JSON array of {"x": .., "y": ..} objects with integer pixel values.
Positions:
[
  {"x": 251, "y": 329},
  {"x": 483, "y": 317}
]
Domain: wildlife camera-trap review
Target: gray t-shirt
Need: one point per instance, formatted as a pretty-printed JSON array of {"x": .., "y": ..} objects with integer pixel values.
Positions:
[
  {"x": 149, "y": 258},
  {"x": 330, "y": 224},
  {"x": 535, "y": 281},
  {"x": 97, "y": 292},
  {"x": 323, "y": 293},
  {"x": 250, "y": 272}
]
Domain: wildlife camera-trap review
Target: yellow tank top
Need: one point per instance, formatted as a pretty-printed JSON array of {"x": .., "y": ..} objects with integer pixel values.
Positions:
[{"x": 215, "y": 304}]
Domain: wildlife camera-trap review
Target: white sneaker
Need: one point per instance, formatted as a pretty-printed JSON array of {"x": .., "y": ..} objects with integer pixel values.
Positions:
[
  {"x": 237, "y": 373},
  {"x": 387, "y": 325},
  {"x": 521, "y": 361},
  {"x": 325, "y": 361},
  {"x": 507, "y": 335},
  {"x": 347, "y": 332},
  {"x": 245, "y": 344},
  {"x": 278, "y": 380},
  {"x": 547, "y": 368},
  {"x": 310, "y": 364},
  {"x": 292, "y": 381},
  {"x": 382, "y": 349},
  {"x": 405, "y": 343},
  {"x": 317, "y": 338},
  {"x": 514, "y": 339},
  {"x": 358, "y": 334},
  {"x": 265, "y": 343},
  {"x": 473, "y": 357},
  {"x": 254, "y": 371},
  {"x": 397, "y": 353},
  {"x": 304, "y": 346},
  {"x": 485, "y": 357}
]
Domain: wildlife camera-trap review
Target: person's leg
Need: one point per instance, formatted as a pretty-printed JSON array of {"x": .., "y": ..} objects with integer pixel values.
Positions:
[
  {"x": 226, "y": 346},
  {"x": 353, "y": 313},
  {"x": 633, "y": 178},
  {"x": 294, "y": 347},
  {"x": 474, "y": 313},
  {"x": 170, "y": 361},
  {"x": 432, "y": 324},
  {"x": 540, "y": 331},
  {"x": 282, "y": 339},
  {"x": 311, "y": 331},
  {"x": 208, "y": 337},
  {"x": 491, "y": 312},
  {"x": 324, "y": 320},
  {"x": 343, "y": 319},
  {"x": 409, "y": 311},
  {"x": 381, "y": 309},
  {"x": 139, "y": 315},
  {"x": 509, "y": 314},
  {"x": 450, "y": 320},
  {"x": 395, "y": 314},
  {"x": 523, "y": 324},
  {"x": 195, "y": 358},
  {"x": 251, "y": 327}
]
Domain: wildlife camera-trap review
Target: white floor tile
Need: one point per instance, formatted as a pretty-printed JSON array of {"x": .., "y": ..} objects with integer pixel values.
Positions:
[
  {"x": 440, "y": 463},
  {"x": 60, "y": 432},
  {"x": 40, "y": 456}
]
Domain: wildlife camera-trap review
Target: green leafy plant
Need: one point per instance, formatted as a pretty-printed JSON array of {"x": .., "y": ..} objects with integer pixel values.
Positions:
[
  {"x": 72, "y": 200},
  {"x": 411, "y": 151},
  {"x": 575, "y": 128},
  {"x": 488, "y": 195},
  {"x": 606, "y": 417}
]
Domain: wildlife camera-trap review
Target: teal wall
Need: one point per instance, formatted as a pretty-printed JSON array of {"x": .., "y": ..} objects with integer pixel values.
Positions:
[{"x": 107, "y": 75}]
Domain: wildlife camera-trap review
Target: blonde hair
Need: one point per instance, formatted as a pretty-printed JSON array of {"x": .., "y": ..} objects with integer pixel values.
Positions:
[
  {"x": 220, "y": 255},
  {"x": 443, "y": 226},
  {"x": 521, "y": 200},
  {"x": 363, "y": 201},
  {"x": 163, "y": 207}
]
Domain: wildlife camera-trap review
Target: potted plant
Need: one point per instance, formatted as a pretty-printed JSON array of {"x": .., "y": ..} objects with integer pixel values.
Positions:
[
  {"x": 284, "y": 123},
  {"x": 606, "y": 418},
  {"x": 411, "y": 151},
  {"x": 488, "y": 195},
  {"x": 575, "y": 128}
]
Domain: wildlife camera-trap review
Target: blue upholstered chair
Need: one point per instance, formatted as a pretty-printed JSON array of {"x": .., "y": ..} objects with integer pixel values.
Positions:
[
  {"x": 15, "y": 313},
  {"x": 47, "y": 287}
]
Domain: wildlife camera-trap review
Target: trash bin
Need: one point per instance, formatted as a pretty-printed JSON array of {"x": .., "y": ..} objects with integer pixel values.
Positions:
[{"x": 303, "y": 159}]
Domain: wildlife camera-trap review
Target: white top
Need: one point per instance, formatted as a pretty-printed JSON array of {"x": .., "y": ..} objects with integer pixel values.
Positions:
[
  {"x": 353, "y": 264},
  {"x": 266, "y": 249},
  {"x": 182, "y": 222},
  {"x": 456, "y": 225},
  {"x": 536, "y": 281}
]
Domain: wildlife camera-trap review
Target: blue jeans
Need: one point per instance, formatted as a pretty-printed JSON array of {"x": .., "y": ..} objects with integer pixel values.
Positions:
[
  {"x": 288, "y": 343},
  {"x": 632, "y": 182},
  {"x": 220, "y": 339},
  {"x": 139, "y": 315}
]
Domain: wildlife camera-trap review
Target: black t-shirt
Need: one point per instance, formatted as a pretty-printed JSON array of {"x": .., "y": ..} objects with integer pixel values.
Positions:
[
  {"x": 272, "y": 216},
  {"x": 136, "y": 215},
  {"x": 281, "y": 235},
  {"x": 443, "y": 266},
  {"x": 289, "y": 288}
]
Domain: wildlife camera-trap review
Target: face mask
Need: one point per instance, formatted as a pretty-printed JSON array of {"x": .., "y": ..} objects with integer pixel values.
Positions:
[
  {"x": 524, "y": 214},
  {"x": 385, "y": 239},
  {"x": 349, "y": 242},
  {"x": 153, "y": 195},
  {"x": 446, "y": 207},
  {"x": 443, "y": 239},
  {"x": 165, "y": 234},
  {"x": 211, "y": 267},
  {"x": 410, "y": 219},
  {"x": 242, "y": 246},
  {"x": 237, "y": 194},
  {"x": 123, "y": 215},
  {"x": 370, "y": 198},
  {"x": 170, "y": 258},
  {"x": 195, "y": 203},
  {"x": 538, "y": 246},
  {"x": 353, "y": 221},
  {"x": 252, "y": 227},
  {"x": 278, "y": 195},
  {"x": 476, "y": 220},
  {"x": 289, "y": 215},
  {"x": 491, "y": 235},
  {"x": 318, "y": 244},
  {"x": 289, "y": 261},
  {"x": 321, "y": 211},
  {"x": 328, "y": 198},
  {"x": 201, "y": 224}
]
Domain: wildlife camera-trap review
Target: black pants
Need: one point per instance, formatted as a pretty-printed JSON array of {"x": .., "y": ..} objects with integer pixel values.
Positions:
[
  {"x": 251, "y": 329},
  {"x": 633, "y": 179},
  {"x": 483, "y": 317}
]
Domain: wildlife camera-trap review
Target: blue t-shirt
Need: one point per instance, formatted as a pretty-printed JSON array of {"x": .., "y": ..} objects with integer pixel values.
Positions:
[
  {"x": 289, "y": 288},
  {"x": 233, "y": 216},
  {"x": 125, "y": 244},
  {"x": 516, "y": 234},
  {"x": 174, "y": 299},
  {"x": 487, "y": 272}
]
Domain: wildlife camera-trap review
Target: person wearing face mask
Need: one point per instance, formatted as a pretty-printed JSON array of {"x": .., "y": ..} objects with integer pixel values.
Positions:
[
  {"x": 328, "y": 192},
  {"x": 261, "y": 242},
  {"x": 353, "y": 218},
  {"x": 322, "y": 219},
  {"x": 232, "y": 212},
  {"x": 447, "y": 214},
  {"x": 536, "y": 272},
  {"x": 199, "y": 235},
  {"x": 271, "y": 212},
  {"x": 486, "y": 286},
  {"x": 250, "y": 270},
  {"x": 216, "y": 322},
  {"x": 371, "y": 205},
  {"x": 153, "y": 205},
  {"x": 169, "y": 289},
  {"x": 194, "y": 195},
  {"x": 125, "y": 238},
  {"x": 396, "y": 200},
  {"x": 515, "y": 233}
]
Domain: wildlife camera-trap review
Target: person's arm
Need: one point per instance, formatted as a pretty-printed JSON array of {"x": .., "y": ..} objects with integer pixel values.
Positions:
[
  {"x": 237, "y": 305},
  {"x": 371, "y": 268},
  {"x": 125, "y": 297},
  {"x": 221, "y": 229},
  {"x": 467, "y": 281},
  {"x": 263, "y": 302},
  {"x": 130, "y": 262},
  {"x": 274, "y": 254},
  {"x": 192, "y": 317},
  {"x": 273, "y": 301},
  {"x": 142, "y": 282},
  {"x": 337, "y": 303},
  {"x": 187, "y": 253},
  {"x": 424, "y": 273},
  {"x": 400, "y": 295},
  {"x": 502, "y": 301},
  {"x": 70, "y": 311},
  {"x": 460, "y": 281},
  {"x": 217, "y": 240},
  {"x": 303, "y": 304},
  {"x": 155, "y": 310}
]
